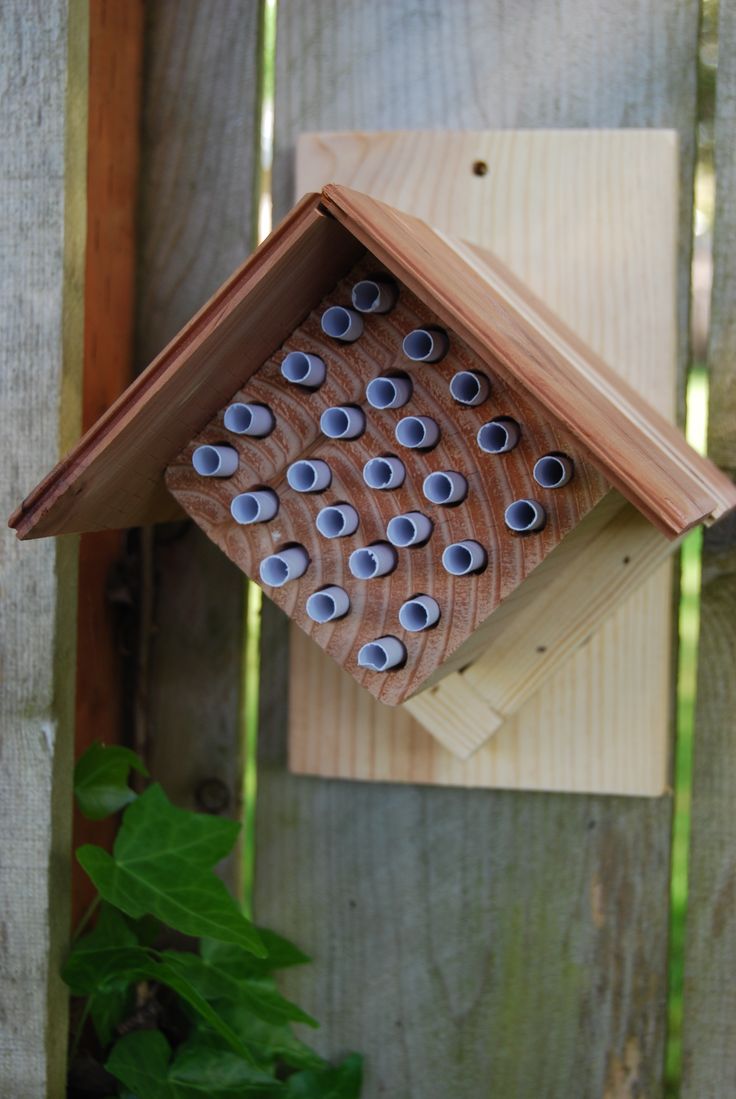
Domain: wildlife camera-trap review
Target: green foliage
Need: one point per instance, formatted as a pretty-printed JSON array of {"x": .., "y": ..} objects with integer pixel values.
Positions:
[
  {"x": 101, "y": 780},
  {"x": 223, "y": 1026}
]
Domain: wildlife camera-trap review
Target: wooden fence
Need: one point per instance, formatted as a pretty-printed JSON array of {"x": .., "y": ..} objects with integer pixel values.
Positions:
[{"x": 470, "y": 943}]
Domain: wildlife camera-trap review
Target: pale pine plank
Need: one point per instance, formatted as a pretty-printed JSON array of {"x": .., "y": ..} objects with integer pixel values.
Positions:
[
  {"x": 619, "y": 298},
  {"x": 197, "y": 216},
  {"x": 43, "y": 146},
  {"x": 470, "y": 942},
  {"x": 709, "y": 1024}
]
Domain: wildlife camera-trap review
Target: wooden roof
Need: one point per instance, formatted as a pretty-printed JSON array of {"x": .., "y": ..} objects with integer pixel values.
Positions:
[{"x": 114, "y": 476}]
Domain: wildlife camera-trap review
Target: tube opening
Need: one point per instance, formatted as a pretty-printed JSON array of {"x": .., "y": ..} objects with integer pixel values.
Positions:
[
  {"x": 425, "y": 345},
  {"x": 328, "y": 604},
  {"x": 498, "y": 436},
  {"x": 335, "y": 423},
  {"x": 215, "y": 461},
  {"x": 274, "y": 571},
  {"x": 383, "y": 473},
  {"x": 289, "y": 564},
  {"x": 254, "y": 507},
  {"x": 342, "y": 422},
  {"x": 373, "y": 656},
  {"x": 341, "y": 323},
  {"x": 299, "y": 368},
  {"x": 552, "y": 471},
  {"x": 337, "y": 521},
  {"x": 380, "y": 655},
  {"x": 445, "y": 488},
  {"x": 524, "y": 516},
  {"x": 462, "y": 558},
  {"x": 371, "y": 561},
  {"x": 321, "y": 607},
  {"x": 374, "y": 295},
  {"x": 308, "y": 476},
  {"x": 417, "y": 432},
  {"x": 419, "y": 613},
  {"x": 469, "y": 388},
  {"x": 388, "y": 392}
]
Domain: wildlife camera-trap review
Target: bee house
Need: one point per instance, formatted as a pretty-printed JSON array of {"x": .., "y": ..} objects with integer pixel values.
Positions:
[{"x": 412, "y": 457}]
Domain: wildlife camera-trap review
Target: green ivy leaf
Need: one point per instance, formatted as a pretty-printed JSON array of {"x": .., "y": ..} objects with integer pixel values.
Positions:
[
  {"x": 109, "y": 1006},
  {"x": 268, "y": 1041},
  {"x": 110, "y": 950},
  {"x": 223, "y": 982},
  {"x": 343, "y": 1082},
  {"x": 162, "y": 866},
  {"x": 101, "y": 780},
  {"x": 281, "y": 955},
  {"x": 142, "y": 1062}
]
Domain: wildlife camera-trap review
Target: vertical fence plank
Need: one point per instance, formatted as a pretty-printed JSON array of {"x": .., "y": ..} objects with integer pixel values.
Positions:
[
  {"x": 43, "y": 133},
  {"x": 709, "y": 1029},
  {"x": 199, "y": 155},
  {"x": 115, "y": 59},
  {"x": 474, "y": 943}
]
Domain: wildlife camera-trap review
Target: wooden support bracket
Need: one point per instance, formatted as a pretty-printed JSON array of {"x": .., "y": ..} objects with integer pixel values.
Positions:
[{"x": 574, "y": 701}]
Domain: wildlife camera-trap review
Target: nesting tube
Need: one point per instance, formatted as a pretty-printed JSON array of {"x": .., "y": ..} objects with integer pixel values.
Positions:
[
  {"x": 382, "y": 654},
  {"x": 215, "y": 461},
  {"x": 299, "y": 368},
  {"x": 420, "y": 613},
  {"x": 446, "y": 487},
  {"x": 470, "y": 388},
  {"x": 309, "y": 475},
  {"x": 375, "y": 295},
  {"x": 389, "y": 392},
  {"x": 499, "y": 436},
  {"x": 342, "y": 422},
  {"x": 371, "y": 561},
  {"x": 342, "y": 324},
  {"x": 280, "y": 568},
  {"x": 417, "y": 432},
  {"x": 525, "y": 516},
  {"x": 337, "y": 521},
  {"x": 257, "y": 506},
  {"x": 426, "y": 345},
  {"x": 328, "y": 604},
  {"x": 552, "y": 471},
  {"x": 411, "y": 529},
  {"x": 256, "y": 420},
  {"x": 463, "y": 558},
  {"x": 384, "y": 473}
]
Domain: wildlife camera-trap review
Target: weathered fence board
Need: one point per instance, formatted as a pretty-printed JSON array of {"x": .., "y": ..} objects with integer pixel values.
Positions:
[
  {"x": 709, "y": 1030},
  {"x": 199, "y": 146},
  {"x": 474, "y": 943},
  {"x": 43, "y": 132}
]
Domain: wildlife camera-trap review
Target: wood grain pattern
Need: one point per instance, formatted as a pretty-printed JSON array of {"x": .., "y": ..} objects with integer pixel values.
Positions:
[
  {"x": 199, "y": 139},
  {"x": 602, "y": 177},
  {"x": 645, "y": 458},
  {"x": 494, "y": 482},
  {"x": 709, "y": 1023},
  {"x": 43, "y": 123},
  {"x": 115, "y": 65},
  {"x": 114, "y": 476},
  {"x": 475, "y": 943}
]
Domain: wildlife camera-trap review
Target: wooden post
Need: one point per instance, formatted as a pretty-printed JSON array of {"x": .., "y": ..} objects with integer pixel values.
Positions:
[
  {"x": 709, "y": 1025},
  {"x": 474, "y": 943},
  {"x": 197, "y": 217},
  {"x": 43, "y": 120},
  {"x": 114, "y": 66}
]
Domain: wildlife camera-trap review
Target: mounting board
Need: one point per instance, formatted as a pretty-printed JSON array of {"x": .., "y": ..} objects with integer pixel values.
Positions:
[{"x": 588, "y": 219}]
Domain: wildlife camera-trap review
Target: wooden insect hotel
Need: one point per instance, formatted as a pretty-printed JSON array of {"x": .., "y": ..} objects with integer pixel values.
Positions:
[{"x": 416, "y": 461}]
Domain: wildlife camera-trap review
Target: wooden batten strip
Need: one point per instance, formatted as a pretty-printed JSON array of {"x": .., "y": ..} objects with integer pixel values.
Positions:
[{"x": 645, "y": 458}]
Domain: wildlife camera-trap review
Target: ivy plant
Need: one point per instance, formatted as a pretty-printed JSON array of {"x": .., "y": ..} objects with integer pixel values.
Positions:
[{"x": 176, "y": 985}]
